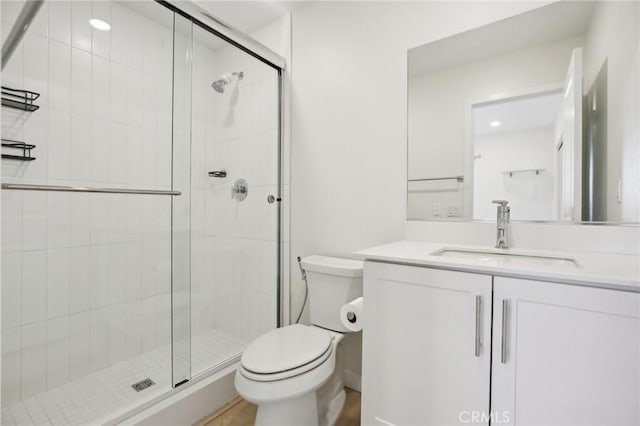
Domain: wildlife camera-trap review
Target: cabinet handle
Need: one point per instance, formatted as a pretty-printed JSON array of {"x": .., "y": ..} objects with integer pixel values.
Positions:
[
  {"x": 478, "y": 314},
  {"x": 505, "y": 309}
]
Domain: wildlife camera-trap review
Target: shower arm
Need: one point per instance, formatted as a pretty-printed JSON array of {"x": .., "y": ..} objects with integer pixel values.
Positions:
[{"x": 25, "y": 18}]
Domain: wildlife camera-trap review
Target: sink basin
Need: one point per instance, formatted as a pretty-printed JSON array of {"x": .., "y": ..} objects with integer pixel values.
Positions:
[{"x": 508, "y": 258}]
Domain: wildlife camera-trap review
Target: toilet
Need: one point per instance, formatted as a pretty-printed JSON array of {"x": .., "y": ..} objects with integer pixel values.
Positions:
[{"x": 294, "y": 374}]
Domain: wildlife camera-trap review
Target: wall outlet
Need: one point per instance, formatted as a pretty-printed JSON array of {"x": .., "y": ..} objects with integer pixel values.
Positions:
[
  {"x": 454, "y": 210},
  {"x": 435, "y": 209}
]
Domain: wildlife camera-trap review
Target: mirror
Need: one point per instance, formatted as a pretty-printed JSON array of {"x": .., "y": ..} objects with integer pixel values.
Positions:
[{"x": 541, "y": 109}]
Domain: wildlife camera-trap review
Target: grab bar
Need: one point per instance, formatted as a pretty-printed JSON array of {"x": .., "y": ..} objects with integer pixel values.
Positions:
[{"x": 57, "y": 188}]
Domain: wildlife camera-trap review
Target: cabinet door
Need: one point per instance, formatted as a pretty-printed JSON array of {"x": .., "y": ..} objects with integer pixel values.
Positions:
[
  {"x": 420, "y": 363},
  {"x": 564, "y": 355}
]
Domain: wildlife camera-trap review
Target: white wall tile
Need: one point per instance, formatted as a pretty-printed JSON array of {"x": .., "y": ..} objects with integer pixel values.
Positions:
[
  {"x": 58, "y": 219},
  {"x": 11, "y": 220},
  {"x": 117, "y": 333},
  {"x": 59, "y": 144},
  {"x": 118, "y": 93},
  {"x": 34, "y": 358},
  {"x": 58, "y": 283},
  {"x": 100, "y": 80},
  {"x": 11, "y": 365},
  {"x": 60, "y": 21},
  {"x": 79, "y": 279},
  {"x": 163, "y": 318},
  {"x": 36, "y": 66},
  {"x": 79, "y": 219},
  {"x": 132, "y": 270},
  {"x": 11, "y": 289},
  {"x": 57, "y": 352},
  {"x": 79, "y": 345},
  {"x": 148, "y": 313},
  {"x": 135, "y": 100},
  {"x": 264, "y": 104},
  {"x": 117, "y": 273},
  {"x": 101, "y": 39},
  {"x": 163, "y": 268},
  {"x": 34, "y": 286},
  {"x": 119, "y": 33},
  {"x": 136, "y": 47},
  {"x": 134, "y": 327},
  {"x": 264, "y": 158},
  {"x": 100, "y": 336},
  {"x": 80, "y": 83},
  {"x": 80, "y": 27},
  {"x": 99, "y": 276},
  {"x": 34, "y": 221},
  {"x": 80, "y": 148},
  {"x": 134, "y": 158},
  {"x": 59, "y": 76},
  {"x": 40, "y": 24},
  {"x": 99, "y": 150},
  {"x": 117, "y": 152}
]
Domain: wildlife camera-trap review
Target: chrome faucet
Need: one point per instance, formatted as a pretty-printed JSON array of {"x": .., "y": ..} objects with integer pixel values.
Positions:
[{"x": 502, "y": 223}]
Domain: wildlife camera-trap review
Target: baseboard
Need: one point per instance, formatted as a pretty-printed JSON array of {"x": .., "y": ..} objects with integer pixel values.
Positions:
[
  {"x": 353, "y": 380},
  {"x": 192, "y": 404}
]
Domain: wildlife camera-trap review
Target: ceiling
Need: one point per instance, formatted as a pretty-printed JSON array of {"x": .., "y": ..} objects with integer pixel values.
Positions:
[
  {"x": 517, "y": 114},
  {"x": 246, "y": 15},
  {"x": 543, "y": 25}
]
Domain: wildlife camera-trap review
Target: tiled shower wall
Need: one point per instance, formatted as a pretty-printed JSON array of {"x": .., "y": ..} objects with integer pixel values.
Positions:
[
  {"x": 234, "y": 246},
  {"x": 86, "y": 277}
]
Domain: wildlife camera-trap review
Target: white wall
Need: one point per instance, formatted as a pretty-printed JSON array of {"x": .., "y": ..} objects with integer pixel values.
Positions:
[
  {"x": 349, "y": 114},
  {"x": 614, "y": 36},
  {"x": 530, "y": 195},
  {"x": 437, "y": 103}
]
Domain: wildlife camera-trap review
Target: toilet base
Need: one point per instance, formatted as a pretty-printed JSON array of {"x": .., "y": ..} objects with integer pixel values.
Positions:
[{"x": 300, "y": 411}]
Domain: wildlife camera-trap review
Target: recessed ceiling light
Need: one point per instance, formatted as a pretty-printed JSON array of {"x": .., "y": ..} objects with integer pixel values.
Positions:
[
  {"x": 495, "y": 123},
  {"x": 99, "y": 24}
]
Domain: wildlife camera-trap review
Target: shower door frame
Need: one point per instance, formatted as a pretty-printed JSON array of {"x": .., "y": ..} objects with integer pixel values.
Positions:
[{"x": 203, "y": 19}]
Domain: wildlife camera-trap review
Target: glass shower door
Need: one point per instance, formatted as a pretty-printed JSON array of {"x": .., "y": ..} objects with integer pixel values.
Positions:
[{"x": 234, "y": 184}]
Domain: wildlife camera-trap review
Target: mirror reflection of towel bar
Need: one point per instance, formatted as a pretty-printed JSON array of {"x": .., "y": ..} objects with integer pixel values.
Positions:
[{"x": 459, "y": 178}]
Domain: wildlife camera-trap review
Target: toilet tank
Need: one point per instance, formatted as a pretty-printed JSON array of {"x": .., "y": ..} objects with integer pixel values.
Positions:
[{"x": 332, "y": 282}]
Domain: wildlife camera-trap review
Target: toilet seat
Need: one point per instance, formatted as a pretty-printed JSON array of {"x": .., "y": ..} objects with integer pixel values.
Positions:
[{"x": 286, "y": 352}]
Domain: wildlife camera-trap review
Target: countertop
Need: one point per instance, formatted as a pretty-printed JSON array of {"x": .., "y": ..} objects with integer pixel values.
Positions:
[{"x": 603, "y": 270}]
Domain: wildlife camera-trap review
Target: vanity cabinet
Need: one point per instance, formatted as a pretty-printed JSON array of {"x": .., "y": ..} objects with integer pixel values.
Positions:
[
  {"x": 444, "y": 347},
  {"x": 427, "y": 341},
  {"x": 564, "y": 354}
]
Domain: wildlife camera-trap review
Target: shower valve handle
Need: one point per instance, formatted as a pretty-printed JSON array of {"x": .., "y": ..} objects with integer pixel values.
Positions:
[
  {"x": 240, "y": 189},
  {"x": 218, "y": 173}
]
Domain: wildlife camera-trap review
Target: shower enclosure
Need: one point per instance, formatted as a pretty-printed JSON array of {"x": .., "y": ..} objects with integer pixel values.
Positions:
[{"x": 140, "y": 207}]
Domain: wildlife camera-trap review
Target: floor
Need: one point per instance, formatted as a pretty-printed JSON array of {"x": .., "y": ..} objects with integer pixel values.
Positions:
[
  {"x": 239, "y": 412},
  {"x": 106, "y": 392}
]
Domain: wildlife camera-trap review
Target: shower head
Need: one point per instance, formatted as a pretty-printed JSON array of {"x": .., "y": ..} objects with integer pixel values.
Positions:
[{"x": 225, "y": 79}]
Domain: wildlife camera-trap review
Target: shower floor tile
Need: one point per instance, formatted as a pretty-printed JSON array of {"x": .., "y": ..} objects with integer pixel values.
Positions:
[{"x": 89, "y": 399}]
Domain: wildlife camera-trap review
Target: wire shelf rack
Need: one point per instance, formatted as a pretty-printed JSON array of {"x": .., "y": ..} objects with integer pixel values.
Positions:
[
  {"x": 18, "y": 145},
  {"x": 19, "y": 99}
]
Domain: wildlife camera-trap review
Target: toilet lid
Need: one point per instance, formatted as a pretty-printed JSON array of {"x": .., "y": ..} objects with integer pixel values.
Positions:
[{"x": 285, "y": 349}]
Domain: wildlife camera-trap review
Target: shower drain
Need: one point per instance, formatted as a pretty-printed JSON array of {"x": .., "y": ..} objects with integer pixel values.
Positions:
[{"x": 143, "y": 384}]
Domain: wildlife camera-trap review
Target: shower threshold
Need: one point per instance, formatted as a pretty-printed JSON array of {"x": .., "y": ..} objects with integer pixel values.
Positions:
[{"x": 106, "y": 395}]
